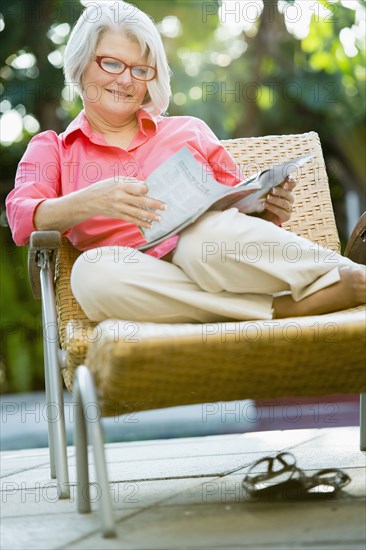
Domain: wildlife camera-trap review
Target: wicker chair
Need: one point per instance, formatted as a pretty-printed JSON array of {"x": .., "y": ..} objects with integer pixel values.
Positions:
[{"x": 168, "y": 365}]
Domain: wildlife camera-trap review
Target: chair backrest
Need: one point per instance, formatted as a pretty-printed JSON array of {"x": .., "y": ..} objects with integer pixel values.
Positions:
[
  {"x": 312, "y": 218},
  {"x": 313, "y": 215}
]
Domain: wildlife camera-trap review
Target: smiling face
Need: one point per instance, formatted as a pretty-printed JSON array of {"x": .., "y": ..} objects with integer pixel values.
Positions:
[{"x": 109, "y": 96}]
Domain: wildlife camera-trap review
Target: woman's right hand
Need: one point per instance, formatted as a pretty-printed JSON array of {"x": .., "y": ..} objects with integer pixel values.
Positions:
[{"x": 123, "y": 198}]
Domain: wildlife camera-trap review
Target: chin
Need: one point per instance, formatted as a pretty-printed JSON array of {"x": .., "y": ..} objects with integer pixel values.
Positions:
[{"x": 117, "y": 109}]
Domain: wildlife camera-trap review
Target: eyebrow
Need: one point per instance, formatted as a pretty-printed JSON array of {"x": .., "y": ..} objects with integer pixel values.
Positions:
[{"x": 119, "y": 59}]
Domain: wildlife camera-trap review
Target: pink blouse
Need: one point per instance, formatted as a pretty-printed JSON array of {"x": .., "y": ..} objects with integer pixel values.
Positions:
[{"x": 55, "y": 165}]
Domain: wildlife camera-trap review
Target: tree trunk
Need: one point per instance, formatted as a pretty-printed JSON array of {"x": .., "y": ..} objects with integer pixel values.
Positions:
[{"x": 267, "y": 42}]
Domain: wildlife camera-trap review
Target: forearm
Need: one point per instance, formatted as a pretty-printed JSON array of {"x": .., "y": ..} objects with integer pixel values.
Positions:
[{"x": 61, "y": 213}]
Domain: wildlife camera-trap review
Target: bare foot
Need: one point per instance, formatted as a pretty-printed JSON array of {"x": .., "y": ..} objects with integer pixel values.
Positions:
[{"x": 350, "y": 291}]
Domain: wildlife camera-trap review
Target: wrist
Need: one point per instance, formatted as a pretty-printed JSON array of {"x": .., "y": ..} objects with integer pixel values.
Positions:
[{"x": 82, "y": 204}]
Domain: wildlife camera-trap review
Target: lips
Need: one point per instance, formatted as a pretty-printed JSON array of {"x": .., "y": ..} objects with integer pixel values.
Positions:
[{"x": 118, "y": 94}]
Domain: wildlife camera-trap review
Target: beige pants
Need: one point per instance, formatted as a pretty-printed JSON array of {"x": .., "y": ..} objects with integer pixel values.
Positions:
[{"x": 227, "y": 266}]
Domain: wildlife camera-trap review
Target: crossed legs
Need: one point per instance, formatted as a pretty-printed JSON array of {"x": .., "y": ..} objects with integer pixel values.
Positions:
[{"x": 227, "y": 266}]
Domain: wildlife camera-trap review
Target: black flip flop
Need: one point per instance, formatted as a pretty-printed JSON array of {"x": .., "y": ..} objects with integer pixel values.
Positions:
[{"x": 283, "y": 480}]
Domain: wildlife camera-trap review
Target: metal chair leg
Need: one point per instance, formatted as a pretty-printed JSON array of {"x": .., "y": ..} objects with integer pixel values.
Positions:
[
  {"x": 84, "y": 395},
  {"x": 55, "y": 398},
  {"x": 363, "y": 421},
  {"x": 51, "y": 443},
  {"x": 81, "y": 446}
]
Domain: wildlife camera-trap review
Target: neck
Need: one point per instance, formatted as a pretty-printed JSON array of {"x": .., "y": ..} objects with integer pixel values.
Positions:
[{"x": 113, "y": 126}]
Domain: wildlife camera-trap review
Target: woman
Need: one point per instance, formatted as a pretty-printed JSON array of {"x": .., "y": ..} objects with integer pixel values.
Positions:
[{"x": 88, "y": 183}]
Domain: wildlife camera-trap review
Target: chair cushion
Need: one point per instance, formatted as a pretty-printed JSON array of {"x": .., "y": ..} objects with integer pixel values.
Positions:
[{"x": 140, "y": 366}]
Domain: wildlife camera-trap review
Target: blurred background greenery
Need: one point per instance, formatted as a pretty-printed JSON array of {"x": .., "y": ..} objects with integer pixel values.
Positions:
[{"x": 248, "y": 68}]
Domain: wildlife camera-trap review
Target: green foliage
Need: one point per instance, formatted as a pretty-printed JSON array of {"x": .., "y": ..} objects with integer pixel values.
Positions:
[
  {"x": 21, "y": 365},
  {"x": 253, "y": 79}
]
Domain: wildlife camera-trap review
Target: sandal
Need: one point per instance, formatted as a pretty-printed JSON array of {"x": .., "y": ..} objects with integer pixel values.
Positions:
[{"x": 283, "y": 480}]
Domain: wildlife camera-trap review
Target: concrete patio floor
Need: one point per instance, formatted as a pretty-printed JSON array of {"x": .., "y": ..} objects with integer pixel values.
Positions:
[{"x": 186, "y": 494}]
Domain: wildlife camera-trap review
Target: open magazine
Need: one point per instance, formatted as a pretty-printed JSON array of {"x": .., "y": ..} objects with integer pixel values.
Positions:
[{"x": 189, "y": 191}]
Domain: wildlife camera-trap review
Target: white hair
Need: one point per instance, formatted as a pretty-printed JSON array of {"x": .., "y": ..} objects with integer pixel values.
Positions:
[{"x": 101, "y": 16}]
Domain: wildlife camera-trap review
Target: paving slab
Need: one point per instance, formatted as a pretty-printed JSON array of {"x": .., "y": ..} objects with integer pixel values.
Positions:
[
  {"x": 12, "y": 462},
  {"x": 45, "y": 532},
  {"x": 245, "y": 526},
  {"x": 125, "y": 496},
  {"x": 186, "y": 494}
]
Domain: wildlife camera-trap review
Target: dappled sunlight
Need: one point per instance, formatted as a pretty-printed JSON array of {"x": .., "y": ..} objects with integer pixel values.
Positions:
[
  {"x": 55, "y": 58},
  {"x": 170, "y": 27},
  {"x": 58, "y": 33},
  {"x": 240, "y": 16},
  {"x": 298, "y": 16},
  {"x": 348, "y": 40},
  {"x": 22, "y": 60},
  {"x": 11, "y": 127}
]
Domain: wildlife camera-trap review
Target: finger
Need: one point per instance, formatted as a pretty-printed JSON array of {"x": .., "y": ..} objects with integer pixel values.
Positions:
[
  {"x": 282, "y": 204},
  {"x": 278, "y": 205},
  {"x": 141, "y": 223},
  {"x": 136, "y": 207},
  {"x": 282, "y": 194},
  {"x": 135, "y": 187},
  {"x": 143, "y": 214},
  {"x": 135, "y": 195},
  {"x": 290, "y": 183},
  {"x": 135, "y": 220},
  {"x": 147, "y": 203},
  {"x": 281, "y": 214}
]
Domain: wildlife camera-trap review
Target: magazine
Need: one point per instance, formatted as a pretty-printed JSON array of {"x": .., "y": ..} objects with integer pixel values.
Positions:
[{"x": 189, "y": 191}]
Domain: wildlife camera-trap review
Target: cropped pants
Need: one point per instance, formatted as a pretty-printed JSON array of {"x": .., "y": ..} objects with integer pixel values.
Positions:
[{"x": 226, "y": 266}]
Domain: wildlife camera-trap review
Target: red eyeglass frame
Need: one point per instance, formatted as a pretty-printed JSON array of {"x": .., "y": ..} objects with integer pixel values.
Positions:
[{"x": 98, "y": 59}]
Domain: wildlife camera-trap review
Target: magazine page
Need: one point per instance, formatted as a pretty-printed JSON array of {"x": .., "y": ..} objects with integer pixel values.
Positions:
[{"x": 186, "y": 187}]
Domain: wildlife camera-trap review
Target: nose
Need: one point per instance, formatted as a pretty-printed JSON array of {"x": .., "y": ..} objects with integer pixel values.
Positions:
[
  {"x": 125, "y": 77},
  {"x": 126, "y": 83}
]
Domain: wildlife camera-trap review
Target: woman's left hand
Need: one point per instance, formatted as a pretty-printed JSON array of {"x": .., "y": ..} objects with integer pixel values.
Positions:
[{"x": 279, "y": 202}]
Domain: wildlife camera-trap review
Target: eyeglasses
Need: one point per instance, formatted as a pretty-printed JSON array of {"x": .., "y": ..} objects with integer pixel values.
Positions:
[
  {"x": 115, "y": 66},
  {"x": 279, "y": 478}
]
